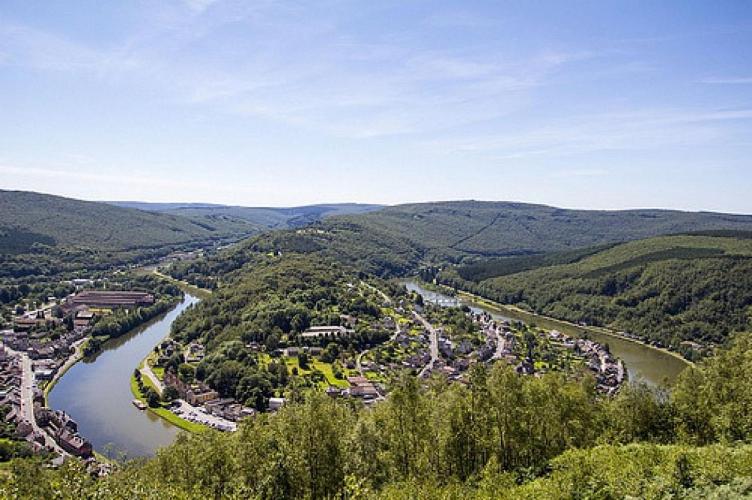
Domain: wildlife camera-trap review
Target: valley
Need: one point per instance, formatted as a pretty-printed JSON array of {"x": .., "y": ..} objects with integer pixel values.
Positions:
[{"x": 346, "y": 316}]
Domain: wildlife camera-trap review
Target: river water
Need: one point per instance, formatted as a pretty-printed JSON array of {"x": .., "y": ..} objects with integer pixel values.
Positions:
[
  {"x": 643, "y": 363},
  {"x": 96, "y": 392}
]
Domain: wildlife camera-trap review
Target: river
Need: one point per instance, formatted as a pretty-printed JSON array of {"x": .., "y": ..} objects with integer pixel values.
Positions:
[
  {"x": 96, "y": 392},
  {"x": 643, "y": 362}
]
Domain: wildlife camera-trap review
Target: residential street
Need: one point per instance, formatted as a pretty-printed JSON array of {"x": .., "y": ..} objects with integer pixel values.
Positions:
[
  {"x": 434, "y": 343},
  {"x": 27, "y": 401}
]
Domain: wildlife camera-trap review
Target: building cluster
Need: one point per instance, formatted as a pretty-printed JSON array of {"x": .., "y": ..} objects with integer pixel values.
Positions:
[
  {"x": 47, "y": 355},
  {"x": 609, "y": 371},
  {"x": 31, "y": 340},
  {"x": 64, "y": 431},
  {"x": 360, "y": 387},
  {"x": 97, "y": 299},
  {"x": 200, "y": 403},
  {"x": 43, "y": 429}
]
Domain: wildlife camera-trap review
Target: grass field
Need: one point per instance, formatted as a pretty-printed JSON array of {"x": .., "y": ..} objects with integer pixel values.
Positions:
[{"x": 201, "y": 293}]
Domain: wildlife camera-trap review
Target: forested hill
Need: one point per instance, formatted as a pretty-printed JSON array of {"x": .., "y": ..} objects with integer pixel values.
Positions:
[
  {"x": 257, "y": 218},
  {"x": 668, "y": 290},
  {"x": 28, "y": 218},
  {"x": 400, "y": 239},
  {"x": 478, "y": 228}
]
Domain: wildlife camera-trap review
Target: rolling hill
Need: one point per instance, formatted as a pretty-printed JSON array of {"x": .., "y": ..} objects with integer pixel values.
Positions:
[
  {"x": 487, "y": 229},
  {"x": 669, "y": 290},
  {"x": 672, "y": 289},
  {"x": 256, "y": 218},
  {"x": 31, "y": 220},
  {"x": 400, "y": 239},
  {"x": 28, "y": 220}
]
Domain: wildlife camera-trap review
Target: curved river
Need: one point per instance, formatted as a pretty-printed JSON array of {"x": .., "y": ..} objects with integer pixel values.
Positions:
[
  {"x": 643, "y": 363},
  {"x": 96, "y": 392}
]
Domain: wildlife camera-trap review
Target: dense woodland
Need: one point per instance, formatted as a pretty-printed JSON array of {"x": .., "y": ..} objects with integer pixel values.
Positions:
[
  {"x": 502, "y": 436},
  {"x": 667, "y": 290},
  {"x": 459, "y": 229},
  {"x": 269, "y": 301}
]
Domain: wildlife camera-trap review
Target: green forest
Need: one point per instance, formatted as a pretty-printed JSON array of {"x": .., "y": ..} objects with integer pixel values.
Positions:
[
  {"x": 269, "y": 302},
  {"x": 501, "y": 436},
  {"x": 666, "y": 290}
]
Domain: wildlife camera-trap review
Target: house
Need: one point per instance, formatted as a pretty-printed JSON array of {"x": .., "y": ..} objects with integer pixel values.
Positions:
[
  {"x": 361, "y": 387},
  {"x": 348, "y": 320},
  {"x": 44, "y": 374},
  {"x": 195, "y": 352},
  {"x": 195, "y": 394},
  {"x": 276, "y": 403},
  {"x": 314, "y": 351},
  {"x": 325, "y": 331},
  {"x": 333, "y": 392},
  {"x": 291, "y": 352},
  {"x": 83, "y": 318},
  {"x": 81, "y": 282},
  {"x": 24, "y": 324},
  {"x": 74, "y": 444},
  {"x": 198, "y": 395}
]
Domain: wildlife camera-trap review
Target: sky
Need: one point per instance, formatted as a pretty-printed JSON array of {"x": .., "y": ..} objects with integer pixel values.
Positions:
[{"x": 575, "y": 104}]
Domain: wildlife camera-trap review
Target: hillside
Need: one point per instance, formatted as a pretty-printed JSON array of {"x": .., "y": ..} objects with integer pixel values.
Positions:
[
  {"x": 457, "y": 229},
  {"x": 258, "y": 218},
  {"x": 28, "y": 218},
  {"x": 668, "y": 290},
  {"x": 401, "y": 239}
]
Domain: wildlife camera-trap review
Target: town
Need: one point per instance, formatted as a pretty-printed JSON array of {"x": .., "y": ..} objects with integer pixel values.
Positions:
[
  {"x": 431, "y": 338},
  {"x": 39, "y": 348}
]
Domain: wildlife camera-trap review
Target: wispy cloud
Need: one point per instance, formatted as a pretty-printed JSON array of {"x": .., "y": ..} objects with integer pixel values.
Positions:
[
  {"x": 327, "y": 81},
  {"x": 642, "y": 130},
  {"x": 728, "y": 80},
  {"x": 199, "y": 5},
  {"x": 581, "y": 172},
  {"x": 114, "y": 182}
]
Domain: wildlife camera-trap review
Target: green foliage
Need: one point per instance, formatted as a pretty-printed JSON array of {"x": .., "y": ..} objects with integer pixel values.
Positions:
[
  {"x": 170, "y": 394},
  {"x": 270, "y": 301},
  {"x": 501, "y": 436},
  {"x": 666, "y": 290},
  {"x": 712, "y": 401},
  {"x": 46, "y": 220}
]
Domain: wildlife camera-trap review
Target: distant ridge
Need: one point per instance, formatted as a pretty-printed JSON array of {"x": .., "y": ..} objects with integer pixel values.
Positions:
[
  {"x": 258, "y": 218},
  {"x": 30, "y": 220}
]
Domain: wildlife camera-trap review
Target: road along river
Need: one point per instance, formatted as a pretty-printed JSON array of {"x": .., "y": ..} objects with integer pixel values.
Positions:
[
  {"x": 96, "y": 392},
  {"x": 643, "y": 362}
]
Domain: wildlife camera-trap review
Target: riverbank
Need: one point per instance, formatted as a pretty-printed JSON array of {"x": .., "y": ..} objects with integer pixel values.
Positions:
[
  {"x": 162, "y": 412},
  {"x": 201, "y": 293},
  {"x": 72, "y": 360},
  {"x": 655, "y": 366},
  {"x": 514, "y": 310},
  {"x": 97, "y": 393}
]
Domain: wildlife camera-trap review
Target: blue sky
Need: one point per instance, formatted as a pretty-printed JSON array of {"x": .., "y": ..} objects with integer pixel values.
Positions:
[{"x": 575, "y": 104}]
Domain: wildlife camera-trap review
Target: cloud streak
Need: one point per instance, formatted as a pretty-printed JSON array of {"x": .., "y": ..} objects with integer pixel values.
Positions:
[{"x": 728, "y": 80}]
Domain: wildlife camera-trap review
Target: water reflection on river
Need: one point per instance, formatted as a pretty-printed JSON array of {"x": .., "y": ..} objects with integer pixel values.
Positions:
[
  {"x": 643, "y": 362},
  {"x": 96, "y": 393}
]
